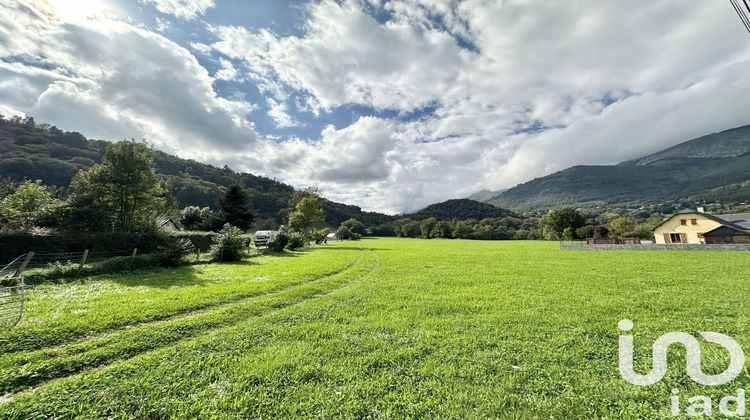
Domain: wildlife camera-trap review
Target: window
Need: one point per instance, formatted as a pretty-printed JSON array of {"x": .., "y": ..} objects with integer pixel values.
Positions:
[
  {"x": 693, "y": 221},
  {"x": 675, "y": 238},
  {"x": 683, "y": 221}
]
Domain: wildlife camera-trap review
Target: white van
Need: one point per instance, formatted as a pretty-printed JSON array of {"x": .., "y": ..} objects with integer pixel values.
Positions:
[{"x": 265, "y": 237}]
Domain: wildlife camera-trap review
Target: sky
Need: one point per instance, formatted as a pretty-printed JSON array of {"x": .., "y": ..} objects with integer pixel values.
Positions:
[{"x": 390, "y": 105}]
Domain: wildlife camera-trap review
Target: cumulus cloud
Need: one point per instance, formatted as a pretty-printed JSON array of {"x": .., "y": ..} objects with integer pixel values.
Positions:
[
  {"x": 502, "y": 91},
  {"x": 454, "y": 96},
  {"x": 278, "y": 113},
  {"x": 186, "y": 9},
  {"x": 227, "y": 71},
  {"x": 112, "y": 80}
]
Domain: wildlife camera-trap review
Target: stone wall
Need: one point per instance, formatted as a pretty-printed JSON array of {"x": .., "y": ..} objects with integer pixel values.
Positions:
[{"x": 659, "y": 247}]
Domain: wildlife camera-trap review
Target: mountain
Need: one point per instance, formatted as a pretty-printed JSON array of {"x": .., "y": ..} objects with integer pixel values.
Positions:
[
  {"x": 727, "y": 144},
  {"x": 461, "y": 209},
  {"x": 713, "y": 167},
  {"x": 41, "y": 151},
  {"x": 485, "y": 195}
]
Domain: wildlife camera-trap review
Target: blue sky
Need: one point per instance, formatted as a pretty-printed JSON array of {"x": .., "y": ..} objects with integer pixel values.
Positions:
[{"x": 389, "y": 105}]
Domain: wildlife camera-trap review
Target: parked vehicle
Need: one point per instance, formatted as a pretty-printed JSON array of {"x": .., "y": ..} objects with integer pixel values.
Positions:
[{"x": 265, "y": 237}]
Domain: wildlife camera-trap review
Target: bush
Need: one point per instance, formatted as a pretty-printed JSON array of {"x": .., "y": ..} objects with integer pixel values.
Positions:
[
  {"x": 279, "y": 243},
  {"x": 320, "y": 235},
  {"x": 601, "y": 232},
  {"x": 69, "y": 270},
  {"x": 228, "y": 245},
  {"x": 173, "y": 251},
  {"x": 296, "y": 240},
  {"x": 201, "y": 241},
  {"x": 15, "y": 244},
  {"x": 585, "y": 232}
]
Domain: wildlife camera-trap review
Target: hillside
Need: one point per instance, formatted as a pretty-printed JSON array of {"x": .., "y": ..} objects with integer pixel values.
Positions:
[
  {"x": 484, "y": 195},
  {"x": 41, "y": 151},
  {"x": 727, "y": 144},
  {"x": 461, "y": 209},
  {"x": 697, "y": 168}
]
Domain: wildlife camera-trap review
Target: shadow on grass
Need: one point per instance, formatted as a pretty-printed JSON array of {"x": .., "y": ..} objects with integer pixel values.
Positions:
[
  {"x": 287, "y": 254},
  {"x": 160, "y": 278},
  {"x": 351, "y": 248}
]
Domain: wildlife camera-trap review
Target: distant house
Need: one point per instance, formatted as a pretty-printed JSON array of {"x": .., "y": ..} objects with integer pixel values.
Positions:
[
  {"x": 168, "y": 225},
  {"x": 697, "y": 227}
]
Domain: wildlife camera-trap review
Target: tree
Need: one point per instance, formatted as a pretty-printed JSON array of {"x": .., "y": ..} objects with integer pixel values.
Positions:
[
  {"x": 601, "y": 232},
  {"x": 227, "y": 245},
  {"x": 427, "y": 226},
  {"x": 350, "y": 229},
  {"x": 30, "y": 202},
  {"x": 123, "y": 191},
  {"x": 442, "y": 229},
  {"x": 585, "y": 231},
  {"x": 621, "y": 226},
  {"x": 354, "y": 225},
  {"x": 236, "y": 208},
  {"x": 555, "y": 222},
  {"x": 384, "y": 229},
  {"x": 191, "y": 217},
  {"x": 407, "y": 228},
  {"x": 307, "y": 210}
]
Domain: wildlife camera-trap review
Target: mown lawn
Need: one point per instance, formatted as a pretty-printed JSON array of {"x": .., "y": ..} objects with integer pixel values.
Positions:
[{"x": 380, "y": 328}]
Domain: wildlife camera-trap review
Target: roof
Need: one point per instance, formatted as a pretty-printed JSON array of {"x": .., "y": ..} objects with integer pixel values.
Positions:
[
  {"x": 726, "y": 231},
  {"x": 738, "y": 221},
  {"x": 165, "y": 221}
]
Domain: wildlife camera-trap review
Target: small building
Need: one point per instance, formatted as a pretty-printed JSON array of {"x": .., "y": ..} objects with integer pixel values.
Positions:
[
  {"x": 727, "y": 235},
  {"x": 168, "y": 225},
  {"x": 698, "y": 227}
]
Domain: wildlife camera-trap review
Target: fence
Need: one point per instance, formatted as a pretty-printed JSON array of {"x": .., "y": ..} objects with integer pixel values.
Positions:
[
  {"x": 12, "y": 293},
  {"x": 13, "y": 290},
  {"x": 44, "y": 259}
]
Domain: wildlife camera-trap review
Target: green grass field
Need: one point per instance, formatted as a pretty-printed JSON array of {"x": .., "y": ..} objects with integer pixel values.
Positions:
[{"x": 379, "y": 328}]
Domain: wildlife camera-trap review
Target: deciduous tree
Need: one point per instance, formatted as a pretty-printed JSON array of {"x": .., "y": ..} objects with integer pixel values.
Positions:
[{"x": 123, "y": 191}]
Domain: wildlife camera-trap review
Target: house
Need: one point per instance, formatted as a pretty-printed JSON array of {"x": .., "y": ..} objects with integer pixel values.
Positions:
[
  {"x": 698, "y": 227},
  {"x": 168, "y": 225}
]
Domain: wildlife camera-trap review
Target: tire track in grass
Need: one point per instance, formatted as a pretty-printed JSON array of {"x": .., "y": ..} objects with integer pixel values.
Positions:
[
  {"x": 49, "y": 364},
  {"x": 37, "y": 344}
]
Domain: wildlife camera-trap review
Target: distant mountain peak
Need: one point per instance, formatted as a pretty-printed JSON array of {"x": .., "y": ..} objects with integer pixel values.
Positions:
[{"x": 726, "y": 144}]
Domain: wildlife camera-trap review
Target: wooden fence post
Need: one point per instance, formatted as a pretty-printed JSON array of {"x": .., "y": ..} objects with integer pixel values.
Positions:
[
  {"x": 25, "y": 262},
  {"x": 83, "y": 259}
]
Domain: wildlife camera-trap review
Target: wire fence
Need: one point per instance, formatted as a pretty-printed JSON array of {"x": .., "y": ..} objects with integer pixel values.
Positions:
[
  {"x": 14, "y": 265},
  {"x": 12, "y": 290},
  {"x": 44, "y": 259}
]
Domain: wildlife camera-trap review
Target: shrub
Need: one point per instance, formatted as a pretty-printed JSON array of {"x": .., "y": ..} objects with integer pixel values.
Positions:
[
  {"x": 173, "y": 251},
  {"x": 228, "y": 245},
  {"x": 585, "y": 232},
  {"x": 296, "y": 240},
  {"x": 320, "y": 235},
  {"x": 69, "y": 270},
  {"x": 601, "y": 232},
  {"x": 201, "y": 241},
  {"x": 279, "y": 243}
]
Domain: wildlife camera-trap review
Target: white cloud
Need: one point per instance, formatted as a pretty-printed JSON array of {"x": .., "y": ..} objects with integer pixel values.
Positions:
[
  {"x": 162, "y": 25},
  {"x": 278, "y": 113},
  {"x": 111, "y": 80},
  {"x": 488, "y": 93},
  {"x": 227, "y": 71},
  {"x": 519, "y": 89},
  {"x": 186, "y": 9}
]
